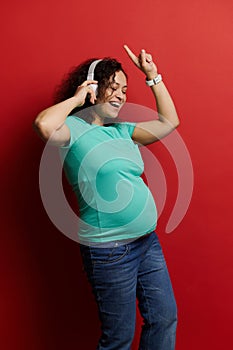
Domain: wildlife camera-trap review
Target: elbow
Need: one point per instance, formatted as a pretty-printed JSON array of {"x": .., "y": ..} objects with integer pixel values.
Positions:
[
  {"x": 172, "y": 125},
  {"x": 41, "y": 129},
  {"x": 36, "y": 124},
  {"x": 177, "y": 123}
]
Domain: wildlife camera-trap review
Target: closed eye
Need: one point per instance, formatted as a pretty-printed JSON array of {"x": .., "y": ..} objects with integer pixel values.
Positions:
[{"x": 116, "y": 88}]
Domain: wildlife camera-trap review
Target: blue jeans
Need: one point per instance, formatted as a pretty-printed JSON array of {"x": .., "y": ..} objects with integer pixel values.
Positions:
[{"x": 121, "y": 273}]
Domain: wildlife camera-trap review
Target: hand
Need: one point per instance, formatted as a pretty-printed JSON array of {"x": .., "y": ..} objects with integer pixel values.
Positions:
[
  {"x": 144, "y": 62},
  {"x": 83, "y": 90}
]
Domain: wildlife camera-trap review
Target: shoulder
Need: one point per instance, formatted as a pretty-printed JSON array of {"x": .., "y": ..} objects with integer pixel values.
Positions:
[
  {"x": 126, "y": 127},
  {"x": 73, "y": 120},
  {"x": 77, "y": 128}
]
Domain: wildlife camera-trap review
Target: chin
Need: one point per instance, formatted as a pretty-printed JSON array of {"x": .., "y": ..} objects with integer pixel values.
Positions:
[
  {"x": 112, "y": 116},
  {"x": 105, "y": 111},
  {"x": 111, "y": 119},
  {"x": 109, "y": 115}
]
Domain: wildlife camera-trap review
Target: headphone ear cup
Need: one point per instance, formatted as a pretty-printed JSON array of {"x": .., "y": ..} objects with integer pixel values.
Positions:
[{"x": 94, "y": 88}]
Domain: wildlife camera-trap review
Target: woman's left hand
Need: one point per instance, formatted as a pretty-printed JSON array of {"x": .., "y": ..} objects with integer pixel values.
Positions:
[{"x": 144, "y": 62}]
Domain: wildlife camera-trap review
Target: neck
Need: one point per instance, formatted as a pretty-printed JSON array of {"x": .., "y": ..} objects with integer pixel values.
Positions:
[{"x": 98, "y": 120}]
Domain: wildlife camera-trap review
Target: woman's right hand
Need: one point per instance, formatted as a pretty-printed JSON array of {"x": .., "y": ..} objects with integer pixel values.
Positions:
[{"x": 83, "y": 90}]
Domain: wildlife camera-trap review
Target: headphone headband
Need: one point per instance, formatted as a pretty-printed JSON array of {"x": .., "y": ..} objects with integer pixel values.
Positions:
[{"x": 90, "y": 74}]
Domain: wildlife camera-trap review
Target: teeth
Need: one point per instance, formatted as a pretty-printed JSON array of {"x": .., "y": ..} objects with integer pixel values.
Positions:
[{"x": 115, "y": 104}]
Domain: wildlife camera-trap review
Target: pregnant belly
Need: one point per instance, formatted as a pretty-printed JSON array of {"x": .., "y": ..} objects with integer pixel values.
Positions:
[{"x": 133, "y": 213}]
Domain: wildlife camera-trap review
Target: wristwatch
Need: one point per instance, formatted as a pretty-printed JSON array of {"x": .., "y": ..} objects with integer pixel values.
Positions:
[{"x": 154, "y": 81}]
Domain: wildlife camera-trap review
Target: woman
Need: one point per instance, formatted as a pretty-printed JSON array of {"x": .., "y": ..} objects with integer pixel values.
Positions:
[{"x": 121, "y": 252}]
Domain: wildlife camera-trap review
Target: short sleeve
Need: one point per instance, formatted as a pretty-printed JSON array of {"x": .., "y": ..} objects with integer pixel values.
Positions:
[
  {"x": 131, "y": 127},
  {"x": 76, "y": 127},
  {"x": 128, "y": 127}
]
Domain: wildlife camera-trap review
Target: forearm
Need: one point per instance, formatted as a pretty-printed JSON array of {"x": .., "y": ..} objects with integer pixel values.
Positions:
[
  {"x": 153, "y": 130},
  {"x": 53, "y": 118},
  {"x": 165, "y": 106}
]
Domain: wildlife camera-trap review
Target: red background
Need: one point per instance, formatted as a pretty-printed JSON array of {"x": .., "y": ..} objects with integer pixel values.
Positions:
[{"x": 46, "y": 302}]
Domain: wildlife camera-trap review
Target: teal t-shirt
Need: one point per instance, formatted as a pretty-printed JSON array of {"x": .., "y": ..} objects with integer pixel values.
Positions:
[{"x": 104, "y": 167}]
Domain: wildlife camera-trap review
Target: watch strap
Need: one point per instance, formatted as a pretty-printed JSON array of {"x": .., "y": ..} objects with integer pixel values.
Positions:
[{"x": 154, "y": 81}]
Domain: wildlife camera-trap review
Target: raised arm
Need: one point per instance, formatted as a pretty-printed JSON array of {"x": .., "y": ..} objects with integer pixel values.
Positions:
[
  {"x": 150, "y": 131},
  {"x": 49, "y": 124}
]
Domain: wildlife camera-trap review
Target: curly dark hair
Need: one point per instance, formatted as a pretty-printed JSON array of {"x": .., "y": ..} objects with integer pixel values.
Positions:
[{"x": 77, "y": 75}]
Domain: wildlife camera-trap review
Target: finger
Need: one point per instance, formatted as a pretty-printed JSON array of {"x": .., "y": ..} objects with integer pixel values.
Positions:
[
  {"x": 143, "y": 57},
  {"x": 88, "y": 82},
  {"x": 148, "y": 58},
  {"x": 131, "y": 54},
  {"x": 91, "y": 94},
  {"x": 92, "y": 98}
]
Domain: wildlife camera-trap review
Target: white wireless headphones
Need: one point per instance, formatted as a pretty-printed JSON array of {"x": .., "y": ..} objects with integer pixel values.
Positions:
[{"x": 90, "y": 75}]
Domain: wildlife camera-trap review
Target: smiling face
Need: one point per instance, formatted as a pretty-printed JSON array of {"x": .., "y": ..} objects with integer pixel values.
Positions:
[{"x": 114, "y": 97}]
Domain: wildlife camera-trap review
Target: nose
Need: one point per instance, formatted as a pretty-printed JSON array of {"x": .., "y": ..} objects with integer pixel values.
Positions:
[{"x": 120, "y": 95}]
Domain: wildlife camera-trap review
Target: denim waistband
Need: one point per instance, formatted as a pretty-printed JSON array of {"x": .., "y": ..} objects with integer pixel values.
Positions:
[{"x": 113, "y": 244}]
